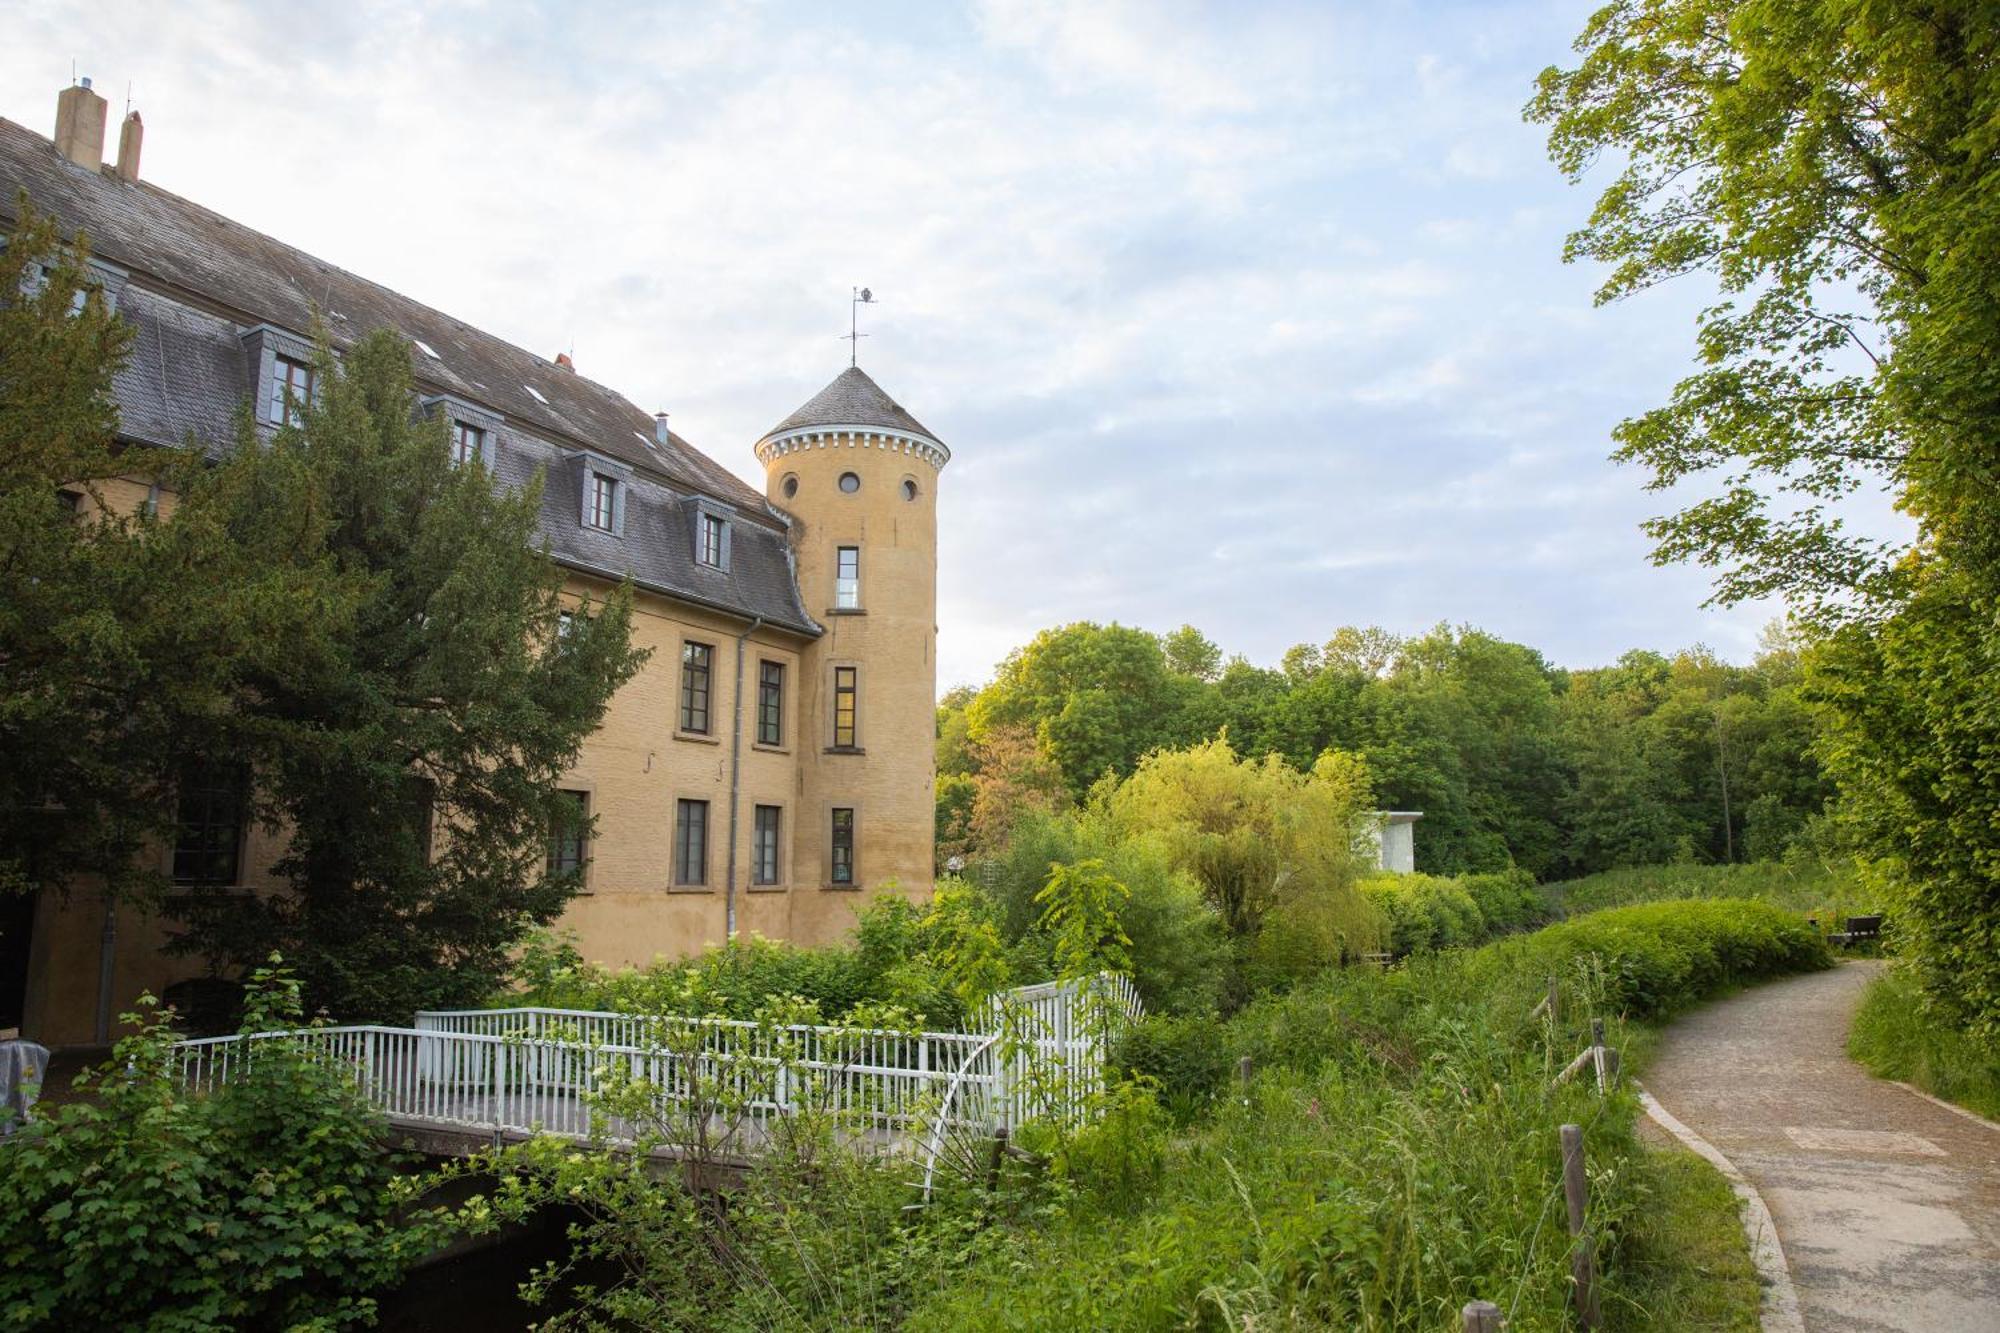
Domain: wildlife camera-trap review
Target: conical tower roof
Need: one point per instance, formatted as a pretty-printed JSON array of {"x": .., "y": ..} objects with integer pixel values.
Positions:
[{"x": 852, "y": 399}]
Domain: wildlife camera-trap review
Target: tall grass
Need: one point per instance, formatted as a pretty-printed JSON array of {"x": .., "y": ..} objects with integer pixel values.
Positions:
[
  {"x": 1395, "y": 1155},
  {"x": 1828, "y": 893},
  {"x": 1895, "y": 1036}
]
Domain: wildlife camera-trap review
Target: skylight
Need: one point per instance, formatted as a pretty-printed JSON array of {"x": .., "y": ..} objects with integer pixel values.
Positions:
[
  {"x": 536, "y": 394},
  {"x": 426, "y": 349}
]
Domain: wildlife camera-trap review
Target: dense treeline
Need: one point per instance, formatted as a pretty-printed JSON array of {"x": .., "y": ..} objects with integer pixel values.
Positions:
[{"x": 1513, "y": 761}]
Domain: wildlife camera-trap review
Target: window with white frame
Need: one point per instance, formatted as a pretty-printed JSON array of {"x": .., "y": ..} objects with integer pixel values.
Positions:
[
  {"x": 764, "y": 845},
  {"x": 468, "y": 442},
  {"x": 603, "y": 510},
  {"x": 291, "y": 390},
  {"x": 847, "y": 578},
  {"x": 714, "y": 539}
]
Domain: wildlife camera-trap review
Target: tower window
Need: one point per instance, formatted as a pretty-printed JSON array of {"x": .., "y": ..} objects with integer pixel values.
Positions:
[
  {"x": 568, "y": 845},
  {"x": 467, "y": 443},
  {"x": 841, "y": 865},
  {"x": 696, "y": 660},
  {"x": 847, "y": 578},
  {"x": 714, "y": 542},
  {"x": 691, "y": 843},
  {"x": 849, "y": 482},
  {"x": 764, "y": 845},
  {"x": 846, "y": 682},
  {"x": 791, "y": 486},
  {"x": 291, "y": 389},
  {"x": 770, "y": 703},
  {"x": 909, "y": 489},
  {"x": 603, "y": 511}
]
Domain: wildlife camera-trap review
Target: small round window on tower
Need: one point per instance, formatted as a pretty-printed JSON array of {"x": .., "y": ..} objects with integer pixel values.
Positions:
[
  {"x": 849, "y": 482},
  {"x": 909, "y": 489},
  {"x": 791, "y": 485}
]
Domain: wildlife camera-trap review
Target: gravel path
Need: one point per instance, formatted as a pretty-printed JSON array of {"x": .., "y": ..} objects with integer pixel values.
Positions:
[{"x": 1887, "y": 1205}]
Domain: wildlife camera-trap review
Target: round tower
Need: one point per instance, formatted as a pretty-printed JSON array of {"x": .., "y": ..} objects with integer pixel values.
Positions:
[{"x": 858, "y": 477}]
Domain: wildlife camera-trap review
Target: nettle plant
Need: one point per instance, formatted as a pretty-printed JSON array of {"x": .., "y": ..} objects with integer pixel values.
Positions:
[{"x": 269, "y": 1202}]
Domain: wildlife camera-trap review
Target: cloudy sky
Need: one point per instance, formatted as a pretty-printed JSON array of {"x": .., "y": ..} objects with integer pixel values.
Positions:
[{"x": 1247, "y": 317}]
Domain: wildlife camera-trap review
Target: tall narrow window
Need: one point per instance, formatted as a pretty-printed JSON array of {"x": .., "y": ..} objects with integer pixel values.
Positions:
[
  {"x": 467, "y": 443},
  {"x": 695, "y": 660},
  {"x": 847, "y": 578},
  {"x": 842, "y": 866},
  {"x": 764, "y": 845},
  {"x": 208, "y": 847},
  {"x": 567, "y": 844},
  {"x": 603, "y": 501},
  {"x": 291, "y": 390},
  {"x": 691, "y": 843},
  {"x": 711, "y": 541},
  {"x": 844, "y": 690},
  {"x": 770, "y": 703}
]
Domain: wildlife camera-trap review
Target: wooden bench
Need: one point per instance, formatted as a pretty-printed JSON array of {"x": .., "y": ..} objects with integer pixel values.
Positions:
[{"x": 1859, "y": 930}]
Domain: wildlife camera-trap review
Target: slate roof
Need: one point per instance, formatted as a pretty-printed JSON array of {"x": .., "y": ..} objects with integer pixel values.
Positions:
[
  {"x": 852, "y": 399},
  {"x": 200, "y": 281}
]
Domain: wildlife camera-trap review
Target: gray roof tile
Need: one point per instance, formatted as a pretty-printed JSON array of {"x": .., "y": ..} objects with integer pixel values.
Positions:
[
  {"x": 852, "y": 399},
  {"x": 200, "y": 279}
]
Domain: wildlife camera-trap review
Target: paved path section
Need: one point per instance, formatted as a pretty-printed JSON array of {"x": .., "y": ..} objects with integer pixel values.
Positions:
[{"x": 1888, "y": 1205}]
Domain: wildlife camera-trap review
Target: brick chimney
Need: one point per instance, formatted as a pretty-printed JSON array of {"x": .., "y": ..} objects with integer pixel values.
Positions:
[
  {"x": 129, "y": 136},
  {"x": 562, "y": 359},
  {"x": 80, "y": 125}
]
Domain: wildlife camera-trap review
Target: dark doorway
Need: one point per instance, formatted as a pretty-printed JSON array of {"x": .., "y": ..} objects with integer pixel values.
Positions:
[{"x": 17, "y": 929}]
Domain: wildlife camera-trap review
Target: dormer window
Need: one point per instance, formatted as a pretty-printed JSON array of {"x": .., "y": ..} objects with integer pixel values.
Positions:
[
  {"x": 714, "y": 531},
  {"x": 468, "y": 442},
  {"x": 291, "y": 390},
  {"x": 602, "y": 511}
]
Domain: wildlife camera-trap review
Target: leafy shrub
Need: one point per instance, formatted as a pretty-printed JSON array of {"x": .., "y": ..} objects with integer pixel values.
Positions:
[
  {"x": 1426, "y": 912},
  {"x": 1898, "y": 1036},
  {"x": 1184, "y": 1054},
  {"x": 268, "y": 1204},
  {"x": 1507, "y": 899},
  {"x": 1395, "y": 1155},
  {"x": 1807, "y": 887}
]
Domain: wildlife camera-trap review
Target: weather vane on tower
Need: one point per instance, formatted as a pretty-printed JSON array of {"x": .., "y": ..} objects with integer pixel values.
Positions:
[{"x": 862, "y": 297}]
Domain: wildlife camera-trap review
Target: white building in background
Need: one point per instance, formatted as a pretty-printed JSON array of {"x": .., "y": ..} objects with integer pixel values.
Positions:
[{"x": 1394, "y": 834}]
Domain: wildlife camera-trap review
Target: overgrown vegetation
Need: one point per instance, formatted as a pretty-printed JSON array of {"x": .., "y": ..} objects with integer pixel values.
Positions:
[
  {"x": 1896, "y": 1035},
  {"x": 1394, "y": 1155},
  {"x": 1828, "y": 894},
  {"x": 1832, "y": 168},
  {"x": 1514, "y": 762},
  {"x": 267, "y": 1204}
]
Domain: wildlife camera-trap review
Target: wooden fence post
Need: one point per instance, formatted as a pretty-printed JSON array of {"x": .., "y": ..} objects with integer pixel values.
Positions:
[
  {"x": 1244, "y": 1068},
  {"x": 993, "y": 1162},
  {"x": 1481, "y": 1317},
  {"x": 1555, "y": 1004},
  {"x": 1576, "y": 1193}
]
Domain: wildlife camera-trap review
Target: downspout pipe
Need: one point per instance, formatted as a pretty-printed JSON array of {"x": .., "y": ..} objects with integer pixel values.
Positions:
[{"x": 735, "y": 780}]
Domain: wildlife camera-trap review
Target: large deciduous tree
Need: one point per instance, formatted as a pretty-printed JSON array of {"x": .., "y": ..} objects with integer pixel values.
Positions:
[
  {"x": 1835, "y": 167},
  {"x": 411, "y": 748}
]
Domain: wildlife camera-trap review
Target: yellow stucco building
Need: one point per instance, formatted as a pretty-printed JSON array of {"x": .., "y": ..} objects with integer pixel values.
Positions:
[{"x": 773, "y": 760}]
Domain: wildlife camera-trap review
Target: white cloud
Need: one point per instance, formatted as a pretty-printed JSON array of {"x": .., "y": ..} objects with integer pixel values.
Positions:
[{"x": 1247, "y": 316}]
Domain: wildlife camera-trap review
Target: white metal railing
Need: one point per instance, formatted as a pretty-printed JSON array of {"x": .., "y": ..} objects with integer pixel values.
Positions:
[{"x": 531, "y": 1069}]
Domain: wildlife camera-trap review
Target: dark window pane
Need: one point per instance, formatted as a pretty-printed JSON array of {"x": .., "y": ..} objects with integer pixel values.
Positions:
[
  {"x": 711, "y": 540},
  {"x": 212, "y": 799},
  {"x": 764, "y": 854},
  {"x": 695, "y": 660},
  {"x": 843, "y": 846},
  {"x": 566, "y": 847},
  {"x": 771, "y": 703},
  {"x": 691, "y": 843}
]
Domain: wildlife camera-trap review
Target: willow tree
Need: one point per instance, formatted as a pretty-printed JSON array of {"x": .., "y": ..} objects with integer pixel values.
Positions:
[{"x": 1834, "y": 168}]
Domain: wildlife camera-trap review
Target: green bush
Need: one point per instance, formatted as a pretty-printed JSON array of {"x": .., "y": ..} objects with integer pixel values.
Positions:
[
  {"x": 1395, "y": 1155},
  {"x": 1802, "y": 886},
  {"x": 1896, "y": 1035},
  {"x": 1184, "y": 1055},
  {"x": 1426, "y": 912},
  {"x": 268, "y": 1204},
  {"x": 1507, "y": 899}
]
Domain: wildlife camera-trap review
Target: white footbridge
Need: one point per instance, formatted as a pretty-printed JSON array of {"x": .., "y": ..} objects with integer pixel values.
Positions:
[{"x": 509, "y": 1073}]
